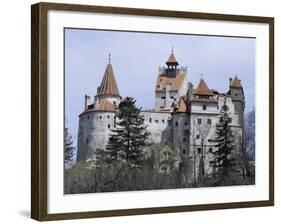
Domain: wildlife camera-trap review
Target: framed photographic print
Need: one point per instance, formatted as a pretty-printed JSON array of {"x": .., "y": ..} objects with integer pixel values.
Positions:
[{"x": 140, "y": 111}]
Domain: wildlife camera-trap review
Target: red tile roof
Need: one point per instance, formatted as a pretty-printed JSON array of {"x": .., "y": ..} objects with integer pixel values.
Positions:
[
  {"x": 105, "y": 105},
  {"x": 172, "y": 59},
  {"x": 202, "y": 89},
  {"x": 236, "y": 82},
  {"x": 182, "y": 104},
  {"x": 176, "y": 82},
  {"x": 108, "y": 85}
]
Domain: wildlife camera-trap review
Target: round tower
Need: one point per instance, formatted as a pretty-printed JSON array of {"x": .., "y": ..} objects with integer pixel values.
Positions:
[
  {"x": 238, "y": 98},
  {"x": 98, "y": 118}
]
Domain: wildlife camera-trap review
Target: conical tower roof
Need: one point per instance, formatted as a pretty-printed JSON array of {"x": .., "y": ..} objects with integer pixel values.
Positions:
[
  {"x": 172, "y": 59},
  {"x": 203, "y": 89},
  {"x": 108, "y": 85},
  {"x": 236, "y": 82}
]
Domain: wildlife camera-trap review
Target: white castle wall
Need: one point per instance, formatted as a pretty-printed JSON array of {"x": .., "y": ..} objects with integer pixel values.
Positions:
[
  {"x": 207, "y": 131},
  {"x": 181, "y": 129},
  {"x": 159, "y": 125},
  {"x": 94, "y": 130}
]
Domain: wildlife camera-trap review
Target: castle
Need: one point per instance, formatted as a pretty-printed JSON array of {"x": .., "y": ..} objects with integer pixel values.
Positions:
[{"x": 184, "y": 116}]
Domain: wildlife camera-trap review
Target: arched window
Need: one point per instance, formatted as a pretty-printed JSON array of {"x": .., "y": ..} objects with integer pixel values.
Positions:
[
  {"x": 177, "y": 124},
  {"x": 199, "y": 150},
  {"x": 209, "y": 121},
  {"x": 108, "y": 125}
]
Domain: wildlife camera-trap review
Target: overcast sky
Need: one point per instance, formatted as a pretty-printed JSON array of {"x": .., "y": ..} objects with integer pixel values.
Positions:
[{"x": 135, "y": 58}]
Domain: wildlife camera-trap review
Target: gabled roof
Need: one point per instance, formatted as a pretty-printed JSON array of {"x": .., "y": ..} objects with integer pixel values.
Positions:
[
  {"x": 108, "y": 85},
  {"x": 172, "y": 59},
  {"x": 105, "y": 105},
  {"x": 236, "y": 82},
  {"x": 182, "y": 104},
  {"x": 174, "y": 82},
  {"x": 202, "y": 89}
]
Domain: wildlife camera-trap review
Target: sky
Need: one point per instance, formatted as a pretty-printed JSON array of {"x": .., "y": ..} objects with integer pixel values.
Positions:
[{"x": 136, "y": 56}]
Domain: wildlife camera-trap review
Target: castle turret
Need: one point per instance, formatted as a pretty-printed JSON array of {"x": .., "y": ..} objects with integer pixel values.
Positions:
[
  {"x": 238, "y": 98},
  {"x": 170, "y": 85},
  {"x": 108, "y": 89},
  {"x": 98, "y": 118},
  {"x": 172, "y": 63}
]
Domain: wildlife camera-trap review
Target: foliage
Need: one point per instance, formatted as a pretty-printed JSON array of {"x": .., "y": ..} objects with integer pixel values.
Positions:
[
  {"x": 127, "y": 141},
  {"x": 69, "y": 149},
  {"x": 223, "y": 161}
]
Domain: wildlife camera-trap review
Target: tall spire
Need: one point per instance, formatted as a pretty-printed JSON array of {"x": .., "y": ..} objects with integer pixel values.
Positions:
[
  {"x": 108, "y": 85},
  {"x": 172, "y": 59}
]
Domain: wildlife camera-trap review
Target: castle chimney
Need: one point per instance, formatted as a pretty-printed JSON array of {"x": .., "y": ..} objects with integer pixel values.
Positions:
[
  {"x": 230, "y": 81},
  {"x": 190, "y": 86},
  {"x": 87, "y": 98}
]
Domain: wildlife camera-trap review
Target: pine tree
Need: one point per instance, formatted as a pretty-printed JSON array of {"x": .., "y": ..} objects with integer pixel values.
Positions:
[
  {"x": 128, "y": 140},
  {"x": 223, "y": 162},
  {"x": 69, "y": 149}
]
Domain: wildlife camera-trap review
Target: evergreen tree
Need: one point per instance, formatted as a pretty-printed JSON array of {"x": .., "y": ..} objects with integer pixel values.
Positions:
[
  {"x": 127, "y": 141},
  {"x": 69, "y": 149},
  {"x": 223, "y": 162}
]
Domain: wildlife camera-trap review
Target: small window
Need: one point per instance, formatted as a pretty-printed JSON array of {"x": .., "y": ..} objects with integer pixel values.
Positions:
[
  {"x": 87, "y": 141},
  {"x": 156, "y": 121},
  {"x": 225, "y": 108},
  {"x": 163, "y": 121},
  {"x": 114, "y": 126},
  {"x": 108, "y": 116},
  {"x": 204, "y": 107},
  {"x": 177, "y": 124},
  {"x": 185, "y": 123},
  {"x": 114, "y": 103},
  {"x": 217, "y": 106},
  {"x": 209, "y": 121},
  {"x": 163, "y": 97},
  {"x": 100, "y": 117},
  {"x": 162, "y": 107},
  {"x": 108, "y": 126},
  {"x": 199, "y": 150},
  {"x": 88, "y": 117},
  {"x": 172, "y": 97},
  {"x": 210, "y": 150},
  {"x": 184, "y": 139},
  {"x": 150, "y": 120},
  {"x": 183, "y": 151},
  {"x": 197, "y": 136},
  {"x": 199, "y": 121}
]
